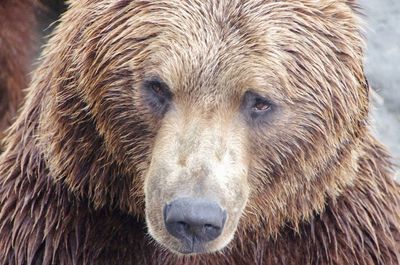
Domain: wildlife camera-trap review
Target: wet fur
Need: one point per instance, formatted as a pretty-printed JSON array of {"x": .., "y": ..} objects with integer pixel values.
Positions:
[{"x": 67, "y": 191}]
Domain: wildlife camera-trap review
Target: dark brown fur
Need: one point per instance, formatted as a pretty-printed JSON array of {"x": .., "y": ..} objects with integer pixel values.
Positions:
[
  {"x": 72, "y": 174},
  {"x": 17, "y": 28}
]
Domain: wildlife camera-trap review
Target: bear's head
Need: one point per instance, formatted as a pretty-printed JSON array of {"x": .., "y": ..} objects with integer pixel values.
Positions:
[{"x": 205, "y": 118}]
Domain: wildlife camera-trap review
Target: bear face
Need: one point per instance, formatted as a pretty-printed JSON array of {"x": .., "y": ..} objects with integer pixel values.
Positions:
[{"x": 206, "y": 118}]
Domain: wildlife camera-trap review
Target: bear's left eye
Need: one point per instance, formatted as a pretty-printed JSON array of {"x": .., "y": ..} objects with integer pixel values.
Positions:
[
  {"x": 157, "y": 95},
  {"x": 261, "y": 105},
  {"x": 255, "y": 105}
]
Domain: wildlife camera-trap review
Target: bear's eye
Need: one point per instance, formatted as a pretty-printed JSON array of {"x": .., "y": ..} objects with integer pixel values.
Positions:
[
  {"x": 255, "y": 105},
  {"x": 157, "y": 89},
  {"x": 157, "y": 95},
  {"x": 261, "y": 105}
]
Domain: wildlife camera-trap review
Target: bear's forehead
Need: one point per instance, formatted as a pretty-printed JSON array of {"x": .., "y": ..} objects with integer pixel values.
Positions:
[
  {"x": 223, "y": 47},
  {"x": 213, "y": 47}
]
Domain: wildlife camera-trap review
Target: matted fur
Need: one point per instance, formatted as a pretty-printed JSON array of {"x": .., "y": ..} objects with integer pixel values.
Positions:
[{"x": 71, "y": 178}]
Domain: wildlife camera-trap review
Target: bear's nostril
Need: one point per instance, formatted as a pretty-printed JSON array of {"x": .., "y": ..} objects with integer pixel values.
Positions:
[
  {"x": 194, "y": 219},
  {"x": 182, "y": 225}
]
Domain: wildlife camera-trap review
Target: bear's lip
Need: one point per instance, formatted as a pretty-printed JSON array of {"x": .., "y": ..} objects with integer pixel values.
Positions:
[{"x": 191, "y": 247}]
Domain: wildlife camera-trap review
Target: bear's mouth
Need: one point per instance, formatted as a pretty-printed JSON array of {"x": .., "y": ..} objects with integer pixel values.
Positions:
[{"x": 192, "y": 247}]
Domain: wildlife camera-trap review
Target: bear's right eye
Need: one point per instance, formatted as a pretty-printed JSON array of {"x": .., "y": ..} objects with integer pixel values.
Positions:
[{"x": 157, "y": 95}]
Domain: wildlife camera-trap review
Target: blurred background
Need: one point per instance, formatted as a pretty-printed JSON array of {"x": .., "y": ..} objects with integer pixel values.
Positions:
[{"x": 382, "y": 64}]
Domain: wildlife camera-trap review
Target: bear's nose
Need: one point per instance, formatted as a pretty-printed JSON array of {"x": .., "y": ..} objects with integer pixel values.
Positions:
[{"x": 194, "y": 220}]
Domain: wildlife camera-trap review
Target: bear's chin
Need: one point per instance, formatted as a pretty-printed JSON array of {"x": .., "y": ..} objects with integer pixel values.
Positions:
[
  {"x": 186, "y": 250},
  {"x": 182, "y": 249},
  {"x": 195, "y": 249}
]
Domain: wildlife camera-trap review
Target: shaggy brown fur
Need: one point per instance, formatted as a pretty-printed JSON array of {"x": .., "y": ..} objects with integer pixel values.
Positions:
[
  {"x": 321, "y": 187},
  {"x": 17, "y": 26}
]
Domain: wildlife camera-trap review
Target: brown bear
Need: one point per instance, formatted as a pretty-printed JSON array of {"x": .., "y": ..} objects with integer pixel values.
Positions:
[
  {"x": 199, "y": 132},
  {"x": 17, "y": 27}
]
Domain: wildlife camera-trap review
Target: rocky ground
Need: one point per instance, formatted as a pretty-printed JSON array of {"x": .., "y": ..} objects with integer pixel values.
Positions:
[{"x": 383, "y": 69}]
